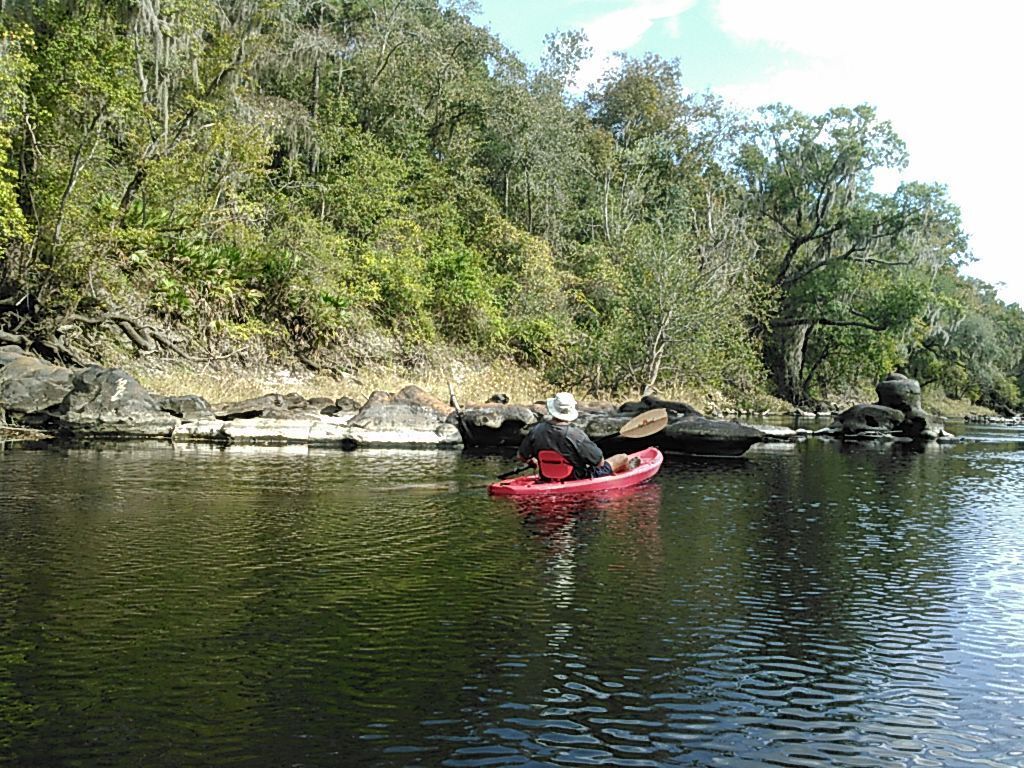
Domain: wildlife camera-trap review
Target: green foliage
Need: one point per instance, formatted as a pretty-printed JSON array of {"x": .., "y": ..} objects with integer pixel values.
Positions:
[
  {"x": 16, "y": 69},
  {"x": 852, "y": 268}
]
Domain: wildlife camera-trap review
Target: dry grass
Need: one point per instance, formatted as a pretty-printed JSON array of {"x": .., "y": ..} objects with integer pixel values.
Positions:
[
  {"x": 473, "y": 378},
  {"x": 935, "y": 401},
  {"x": 472, "y": 381}
]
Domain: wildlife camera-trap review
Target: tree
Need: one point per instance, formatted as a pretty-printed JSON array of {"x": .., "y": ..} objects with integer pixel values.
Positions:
[{"x": 835, "y": 253}]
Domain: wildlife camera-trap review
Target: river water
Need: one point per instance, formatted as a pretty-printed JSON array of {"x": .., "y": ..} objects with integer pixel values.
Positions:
[{"x": 818, "y": 604}]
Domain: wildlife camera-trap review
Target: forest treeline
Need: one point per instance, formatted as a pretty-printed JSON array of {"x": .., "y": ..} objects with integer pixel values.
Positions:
[{"x": 202, "y": 176}]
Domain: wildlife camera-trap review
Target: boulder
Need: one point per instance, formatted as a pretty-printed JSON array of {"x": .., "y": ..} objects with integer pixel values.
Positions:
[
  {"x": 899, "y": 392},
  {"x": 107, "y": 402},
  {"x": 413, "y": 395},
  {"x": 493, "y": 425},
  {"x": 271, "y": 405},
  {"x": 346, "y": 404},
  {"x": 410, "y": 409},
  {"x": 868, "y": 420},
  {"x": 697, "y": 435},
  {"x": 920, "y": 425},
  {"x": 30, "y": 387},
  {"x": 188, "y": 408},
  {"x": 378, "y": 397},
  {"x": 897, "y": 413},
  {"x": 649, "y": 402}
]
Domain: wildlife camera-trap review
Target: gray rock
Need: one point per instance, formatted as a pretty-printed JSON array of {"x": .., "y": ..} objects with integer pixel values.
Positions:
[
  {"x": 897, "y": 414},
  {"x": 383, "y": 417},
  {"x": 493, "y": 424},
  {"x": 11, "y": 352},
  {"x": 868, "y": 418},
  {"x": 899, "y": 392},
  {"x": 107, "y": 402},
  {"x": 30, "y": 387},
  {"x": 649, "y": 402},
  {"x": 920, "y": 425},
  {"x": 692, "y": 435},
  {"x": 271, "y": 405},
  {"x": 412, "y": 409},
  {"x": 413, "y": 395},
  {"x": 697, "y": 435},
  {"x": 323, "y": 405},
  {"x": 188, "y": 408}
]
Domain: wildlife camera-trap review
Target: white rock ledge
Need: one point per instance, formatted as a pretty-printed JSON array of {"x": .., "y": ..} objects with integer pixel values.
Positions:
[{"x": 315, "y": 430}]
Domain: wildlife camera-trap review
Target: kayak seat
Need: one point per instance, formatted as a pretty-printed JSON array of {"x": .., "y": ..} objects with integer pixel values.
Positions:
[{"x": 553, "y": 466}]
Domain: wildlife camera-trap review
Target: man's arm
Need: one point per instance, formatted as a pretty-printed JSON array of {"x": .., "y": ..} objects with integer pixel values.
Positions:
[{"x": 525, "y": 452}]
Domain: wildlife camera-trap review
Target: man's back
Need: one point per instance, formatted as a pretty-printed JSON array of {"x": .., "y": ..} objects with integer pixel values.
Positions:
[{"x": 570, "y": 441}]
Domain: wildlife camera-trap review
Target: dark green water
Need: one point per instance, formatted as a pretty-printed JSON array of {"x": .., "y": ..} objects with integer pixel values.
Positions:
[{"x": 805, "y": 606}]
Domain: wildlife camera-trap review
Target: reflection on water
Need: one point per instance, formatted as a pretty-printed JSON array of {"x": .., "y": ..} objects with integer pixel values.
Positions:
[{"x": 806, "y": 605}]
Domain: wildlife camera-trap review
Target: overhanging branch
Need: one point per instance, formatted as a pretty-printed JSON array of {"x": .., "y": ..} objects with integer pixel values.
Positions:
[{"x": 789, "y": 322}]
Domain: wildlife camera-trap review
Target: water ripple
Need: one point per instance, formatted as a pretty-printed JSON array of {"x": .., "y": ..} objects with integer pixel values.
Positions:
[{"x": 858, "y": 606}]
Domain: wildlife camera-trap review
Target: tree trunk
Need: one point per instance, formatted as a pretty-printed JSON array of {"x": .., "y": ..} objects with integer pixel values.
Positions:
[{"x": 786, "y": 360}]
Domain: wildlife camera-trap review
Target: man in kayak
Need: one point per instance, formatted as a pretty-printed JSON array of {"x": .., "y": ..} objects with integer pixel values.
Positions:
[{"x": 559, "y": 434}]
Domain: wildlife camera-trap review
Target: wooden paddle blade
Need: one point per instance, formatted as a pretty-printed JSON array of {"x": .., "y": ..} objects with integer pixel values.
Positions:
[{"x": 646, "y": 423}]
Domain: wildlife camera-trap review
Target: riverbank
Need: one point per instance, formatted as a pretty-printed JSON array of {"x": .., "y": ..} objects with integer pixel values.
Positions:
[
  {"x": 936, "y": 402},
  {"x": 9, "y": 434},
  {"x": 96, "y": 402},
  {"x": 388, "y": 405},
  {"x": 474, "y": 381}
]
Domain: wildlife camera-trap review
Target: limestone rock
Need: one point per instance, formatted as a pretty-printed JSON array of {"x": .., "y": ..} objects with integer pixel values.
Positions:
[
  {"x": 186, "y": 407},
  {"x": 869, "y": 419},
  {"x": 494, "y": 424},
  {"x": 649, "y": 402},
  {"x": 899, "y": 392},
  {"x": 271, "y": 405},
  {"x": 697, "y": 435},
  {"x": 30, "y": 387},
  {"x": 920, "y": 425},
  {"x": 107, "y": 402}
]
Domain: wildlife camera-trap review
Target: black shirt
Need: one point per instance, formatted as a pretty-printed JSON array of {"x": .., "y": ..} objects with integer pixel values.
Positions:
[{"x": 572, "y": 442}]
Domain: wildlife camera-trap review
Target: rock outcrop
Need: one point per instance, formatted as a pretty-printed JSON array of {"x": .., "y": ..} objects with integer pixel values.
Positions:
[
  {"x": 107, "y": 403},
  {"x": 30, "y": 387},
  {"x": 494, "y": 425},
  {"x": 88, "y": 402},
  {"x": 898, "y": 413}
]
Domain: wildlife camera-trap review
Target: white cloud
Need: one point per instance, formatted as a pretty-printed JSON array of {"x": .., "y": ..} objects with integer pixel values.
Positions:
[
  {"x": 945, "y": 73},
  {"x": 621, "y": 29}
]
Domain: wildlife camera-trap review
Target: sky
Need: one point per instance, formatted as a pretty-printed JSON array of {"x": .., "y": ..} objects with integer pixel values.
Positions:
[{"x": 948, "y": 75}]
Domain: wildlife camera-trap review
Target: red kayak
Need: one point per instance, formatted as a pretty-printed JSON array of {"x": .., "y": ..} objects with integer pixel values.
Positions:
[{"x": 532, "y": 485}]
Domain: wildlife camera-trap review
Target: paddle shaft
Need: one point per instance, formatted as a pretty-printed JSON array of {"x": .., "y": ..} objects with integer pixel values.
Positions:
[{"x": 514, "y": 472}]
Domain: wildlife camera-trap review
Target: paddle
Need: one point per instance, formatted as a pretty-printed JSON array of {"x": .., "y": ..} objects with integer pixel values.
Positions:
[{"x": 642, "y": 425}]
